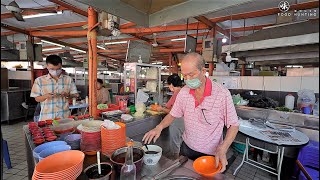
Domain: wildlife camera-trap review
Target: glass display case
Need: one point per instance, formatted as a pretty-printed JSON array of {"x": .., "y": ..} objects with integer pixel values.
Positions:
[{"x": 146, "y": 77}]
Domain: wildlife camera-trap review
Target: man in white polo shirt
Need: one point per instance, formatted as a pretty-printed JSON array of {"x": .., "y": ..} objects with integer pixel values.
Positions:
[{"x": 206, "y": 107}]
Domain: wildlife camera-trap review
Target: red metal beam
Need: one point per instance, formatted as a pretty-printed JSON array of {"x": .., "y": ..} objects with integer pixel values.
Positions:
[
  {"x": 81, "y": 33},
  {"x": 249, "y": 28},
  {"x": 127, "y": 25}
]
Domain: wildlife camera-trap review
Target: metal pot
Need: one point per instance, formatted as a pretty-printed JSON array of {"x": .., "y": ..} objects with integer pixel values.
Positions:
[
  {"x": 106, "y": 170},
  {"x": 118, "y": 165}
]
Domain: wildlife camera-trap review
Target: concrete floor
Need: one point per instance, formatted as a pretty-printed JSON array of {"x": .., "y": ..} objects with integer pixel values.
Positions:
[{"x": 14, "y": 135}]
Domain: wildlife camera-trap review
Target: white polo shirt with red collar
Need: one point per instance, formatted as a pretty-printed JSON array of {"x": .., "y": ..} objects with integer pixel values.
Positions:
[{"x": 204, "y": 120}]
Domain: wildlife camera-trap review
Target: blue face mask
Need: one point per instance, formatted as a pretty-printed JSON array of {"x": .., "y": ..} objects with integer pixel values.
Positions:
[{"x": 193, "y": 83}]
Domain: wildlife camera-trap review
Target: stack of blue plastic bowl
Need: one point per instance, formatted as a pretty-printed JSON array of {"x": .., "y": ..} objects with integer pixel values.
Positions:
[{"x": 74, "y": 141}]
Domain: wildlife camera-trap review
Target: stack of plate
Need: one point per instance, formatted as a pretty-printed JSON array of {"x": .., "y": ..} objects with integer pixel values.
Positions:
[
  {"x": 112, "y": 139},
  {"x": 90, "y": 142},
  {"x": 66, "y": 165}
]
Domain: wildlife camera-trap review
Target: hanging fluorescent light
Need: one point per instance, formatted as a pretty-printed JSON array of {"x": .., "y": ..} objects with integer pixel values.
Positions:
[
  {"x": 52, "y": 43},
  {"x": 41, "y": 15},
  {"x": 100, "y": 47},
  {"x": 155, "y": 63},
  {"x": 224, "y": 40},
  {"x": 179, "y": 39},
  {"x": 52, "y": 49},
  {"x": 118, "y": 42},
  {"x": 38, "y": 15},
  {"x": 79, "y": 50}
]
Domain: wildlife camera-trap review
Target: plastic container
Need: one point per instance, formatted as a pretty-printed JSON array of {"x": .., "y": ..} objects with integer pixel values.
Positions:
[
  {"x": 63, "y": 126},
  {"x": 152, "y": 159},
  {"x": 289, "y": 101},
  {"x": 92, "y": 171},
  {"x": 111, "y": 107},
  {"x": 306, "y": 110},
  {"x": 52, "y": 150}
]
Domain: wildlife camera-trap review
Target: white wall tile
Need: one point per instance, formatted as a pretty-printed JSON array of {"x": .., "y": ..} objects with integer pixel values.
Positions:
[
  {"x": 272, "y": 83},
  {"x": 316, "y": 84},
  {"x": 290, "y": 84},
  {"x": 243, "y": 82},
  {"x": 307, "y": 83},
  {"x": 316, "y": 72},
  {"x": 255, "y": 82},
  {"x": 307, "y": 72}
]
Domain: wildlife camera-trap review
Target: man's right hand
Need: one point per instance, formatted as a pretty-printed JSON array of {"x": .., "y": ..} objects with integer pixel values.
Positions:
[{"x": 154, "y": 134}]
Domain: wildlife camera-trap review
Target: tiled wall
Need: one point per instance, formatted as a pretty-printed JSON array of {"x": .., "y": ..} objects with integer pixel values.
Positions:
[{"x": 270, "y": 83}]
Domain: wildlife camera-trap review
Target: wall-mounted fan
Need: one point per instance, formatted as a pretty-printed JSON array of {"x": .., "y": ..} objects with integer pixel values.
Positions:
[
  {"x": 155, "y": 43},
  {"x": 17, "y": 11}
]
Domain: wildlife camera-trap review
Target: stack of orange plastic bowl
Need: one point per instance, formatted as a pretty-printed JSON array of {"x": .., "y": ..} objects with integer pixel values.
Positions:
[
  {"x": 112, "y": 139},
  {"x": 66, "y": 165}
]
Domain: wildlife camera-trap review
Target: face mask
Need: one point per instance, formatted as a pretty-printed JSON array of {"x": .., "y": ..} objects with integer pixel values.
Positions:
[
  {"x": 55, "y": 72},
  {"x": 193, "y": 83}
]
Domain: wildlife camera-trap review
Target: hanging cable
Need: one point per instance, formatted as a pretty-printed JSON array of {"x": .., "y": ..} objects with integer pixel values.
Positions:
[
  {"x": 230, "y": 32},
  {"x": 244, "y": 27},
  {"x": 187, "y": 26}
]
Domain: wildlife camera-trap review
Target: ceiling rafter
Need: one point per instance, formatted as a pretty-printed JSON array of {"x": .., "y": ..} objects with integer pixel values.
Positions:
[
  {"x": 10, "y": 15},
  {"x": 12, "y": 28},
  {"x": 60, "y": 26}
]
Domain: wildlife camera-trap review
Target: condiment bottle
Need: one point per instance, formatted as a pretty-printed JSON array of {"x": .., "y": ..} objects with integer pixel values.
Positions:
[
  {"x": 87, "y": 100},
  {"x": 128, "y": 170}
]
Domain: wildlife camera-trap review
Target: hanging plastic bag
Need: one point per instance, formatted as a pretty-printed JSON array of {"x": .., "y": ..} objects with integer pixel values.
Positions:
[{"x": 306, "y": 98}]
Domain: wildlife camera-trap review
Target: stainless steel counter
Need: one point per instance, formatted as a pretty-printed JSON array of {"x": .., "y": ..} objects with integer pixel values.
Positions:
[
  {"x": 11, "y": 101},
  {"x": 135, "y": 130}
]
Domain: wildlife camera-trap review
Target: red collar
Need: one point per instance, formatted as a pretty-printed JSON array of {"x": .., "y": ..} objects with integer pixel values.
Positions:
[{"x": 207, "y": 92}]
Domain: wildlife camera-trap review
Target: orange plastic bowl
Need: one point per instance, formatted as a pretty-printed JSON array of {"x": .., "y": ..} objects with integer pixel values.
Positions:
[
  {"x": 206, "y": 166},
  {"x": 60, "y": 162}
]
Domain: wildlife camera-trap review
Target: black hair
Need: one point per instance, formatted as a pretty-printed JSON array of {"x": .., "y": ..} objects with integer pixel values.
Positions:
[
  {"x": 54, "y": 60},
  {"x": 175, "y": 80},
  {"x": 100, "y": 81}
]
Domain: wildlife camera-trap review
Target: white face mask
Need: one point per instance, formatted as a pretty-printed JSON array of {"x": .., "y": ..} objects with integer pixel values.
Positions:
[{"x": 55, "y": 72}]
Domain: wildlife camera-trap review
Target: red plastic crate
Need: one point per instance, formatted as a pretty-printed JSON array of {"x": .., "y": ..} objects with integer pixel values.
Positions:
[{"x": 111, "y": 107}]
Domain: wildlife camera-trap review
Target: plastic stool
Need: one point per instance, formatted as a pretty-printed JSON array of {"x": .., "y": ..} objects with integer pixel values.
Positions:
[{"x": 6, "y": 155}]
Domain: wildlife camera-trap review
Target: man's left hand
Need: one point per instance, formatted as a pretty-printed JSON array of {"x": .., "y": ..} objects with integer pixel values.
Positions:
[
  {"x": 221, "y": 156},
  {"x": 65, "y": 94}
]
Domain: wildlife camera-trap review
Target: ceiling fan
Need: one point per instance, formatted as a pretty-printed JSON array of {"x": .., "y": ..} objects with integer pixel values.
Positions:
[
  {"x": 17, "y": 11},
  {"x": 155, "y": 43}
]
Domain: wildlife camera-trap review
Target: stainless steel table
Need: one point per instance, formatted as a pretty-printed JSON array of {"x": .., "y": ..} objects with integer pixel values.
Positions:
[{"x": 259, "y": 133}]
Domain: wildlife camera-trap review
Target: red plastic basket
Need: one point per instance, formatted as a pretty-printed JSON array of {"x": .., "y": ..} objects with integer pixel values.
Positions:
[{"x": 111, "y": 107}]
